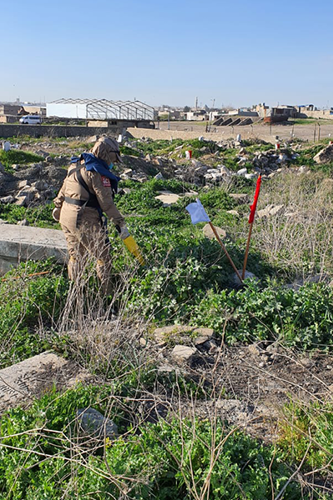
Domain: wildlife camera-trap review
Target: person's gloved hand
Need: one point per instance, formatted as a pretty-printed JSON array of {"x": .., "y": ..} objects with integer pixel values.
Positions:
[
  {"x": 124, "y": 232},
  {"x": 56, "y": 214}
]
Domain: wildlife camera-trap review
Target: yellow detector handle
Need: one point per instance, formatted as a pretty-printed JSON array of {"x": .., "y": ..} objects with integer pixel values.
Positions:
[{"x": 131, "y": 245}]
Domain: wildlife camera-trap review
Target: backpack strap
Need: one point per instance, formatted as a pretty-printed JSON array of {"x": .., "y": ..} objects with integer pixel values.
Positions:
[{"x": 92, "y": 202}]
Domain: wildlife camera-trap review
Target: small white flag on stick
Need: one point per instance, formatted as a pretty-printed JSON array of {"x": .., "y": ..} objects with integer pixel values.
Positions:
[{"x": 197, "y": 212}]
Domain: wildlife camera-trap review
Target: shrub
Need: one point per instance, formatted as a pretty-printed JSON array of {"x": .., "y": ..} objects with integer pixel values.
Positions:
[
  {"x": 302, "y": 318},
  {"x": 40, "y": 456},
  {"x": 25, "y": 303}
]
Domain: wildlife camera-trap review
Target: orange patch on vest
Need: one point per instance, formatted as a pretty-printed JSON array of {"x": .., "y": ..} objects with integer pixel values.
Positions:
[{"x": 106, "y": 181}]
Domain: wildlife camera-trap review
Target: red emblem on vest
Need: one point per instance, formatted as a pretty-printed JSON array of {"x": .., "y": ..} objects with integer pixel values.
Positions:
[{"x": 106, "y": 181}]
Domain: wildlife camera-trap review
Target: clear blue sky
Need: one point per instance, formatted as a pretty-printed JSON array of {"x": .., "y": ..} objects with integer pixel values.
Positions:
[{"x": 168, "y": 51}]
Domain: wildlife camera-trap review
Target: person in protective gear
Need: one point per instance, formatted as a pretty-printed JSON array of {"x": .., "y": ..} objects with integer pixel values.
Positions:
[{"x": 86, "y": 194}]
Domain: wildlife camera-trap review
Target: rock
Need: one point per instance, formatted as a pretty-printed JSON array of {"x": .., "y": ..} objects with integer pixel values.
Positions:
[
  {"x": 40, "y": 185},
  {"x": 22, "y": 184},
  {"x": 140, "y": 177},
  {"x": 21, "y": 201},
  {"x": 208, "y": 232},
  {"x": 250, "y": 176},
  {"x": 191, "y": 193},
  {"x": 325, "y": 155},
  {"x": 33, "y": 377},
  {"x": 233, "y": 212},
  {"x": 204, "y": 338},
  {"x": 159, "y": 176},
  {"x": 270, "y": 211},
  {"x": 225, "y": 171},
  {"x": 23, "y": 222},
  {"x": 214, "y": 174},
  {"x": 143, "y": 342},
  {"x": 29, "y": 192},
  {"x": 165, "y": 368},
  {"x": 93, "y": 138},
  {"x": 307, "y": 362},
  {"x": 93, "y": 424},
  {"x": 303, "y": 169},
  {"x": 128, "y": 172},
  {"x": 183, "y": 353},
  {"x": 2, "y": 168},
  {"x": 7, "y": 199},
  {"x": 282, "y": 158},
  {"x": 42, "y": 153},
  {"x": 241, "y": 198},
  {"x": 273, "y": 348},
  {"x": 242, "y": 172},
  {"x": 166, "y": 333},
  {"x": 247, "y": 275},
  {"x": 168, "y": 199}
]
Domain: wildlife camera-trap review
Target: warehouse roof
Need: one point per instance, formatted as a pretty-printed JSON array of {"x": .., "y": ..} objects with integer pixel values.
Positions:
[{"x": 105, "y": 109}]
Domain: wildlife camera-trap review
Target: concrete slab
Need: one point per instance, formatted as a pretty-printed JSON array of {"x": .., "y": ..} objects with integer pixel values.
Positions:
[
  {"x": 208, "y": 232},
  {"x": 22, "y": 243},
  {"x": 168, "y": 198},
  {"x": 21, "y": 383}
]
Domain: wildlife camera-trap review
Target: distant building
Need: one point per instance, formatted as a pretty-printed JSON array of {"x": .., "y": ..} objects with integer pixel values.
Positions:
[
  {"x": 197, "y": 115},
  {"x": 173, "y": 114},
  {"x": 100, "y": 109},
  {"x": 9, "y": 109},
  {"x": 280, "y": 114},
  {"x": 242, "y": 112}
]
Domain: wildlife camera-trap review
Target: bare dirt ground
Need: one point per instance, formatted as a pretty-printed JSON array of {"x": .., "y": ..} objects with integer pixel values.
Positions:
[
  {"x": 249, "y": 385},
  {"x": 192, "y": 130}
]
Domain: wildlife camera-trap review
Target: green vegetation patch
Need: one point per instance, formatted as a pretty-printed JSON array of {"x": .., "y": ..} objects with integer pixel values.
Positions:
[
  {"x": 26, "y": 302},
  {"x": 40, "y": 216},
  {"x": 11, "y": 157},
  {"x": 173, "y": 458},
  {"x": 302, "y": 318},
  {"x": 306, "y": 434}
]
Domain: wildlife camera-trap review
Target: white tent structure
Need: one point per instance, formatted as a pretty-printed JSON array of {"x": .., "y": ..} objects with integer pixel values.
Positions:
[{"x": 100, "y": 109}]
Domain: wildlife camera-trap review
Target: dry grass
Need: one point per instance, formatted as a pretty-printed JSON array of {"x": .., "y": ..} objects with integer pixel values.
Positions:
[{"x": 299, "y": 239}]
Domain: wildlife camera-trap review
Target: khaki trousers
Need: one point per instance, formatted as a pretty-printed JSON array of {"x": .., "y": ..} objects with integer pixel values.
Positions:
[{"x": 85, "y": 242}]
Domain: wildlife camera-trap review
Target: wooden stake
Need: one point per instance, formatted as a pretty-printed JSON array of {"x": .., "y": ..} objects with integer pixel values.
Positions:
[
  {"x": 247, "y": 250},
  {"x": 225, "y": 251},
  {"x": 22, "y": 277}
]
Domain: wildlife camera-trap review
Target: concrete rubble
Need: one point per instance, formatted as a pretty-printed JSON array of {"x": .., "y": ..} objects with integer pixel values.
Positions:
[
  {"x": 325, "y": 155},
  {"x": 21, "y": 383},
  {"x": 270, "y": 211},
  {"x": 19, "y": 243}
]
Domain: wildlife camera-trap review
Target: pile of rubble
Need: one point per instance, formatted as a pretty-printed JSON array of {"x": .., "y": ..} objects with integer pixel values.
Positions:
[
  {"x": 38, "y": 183},
  {"x": 31, "y": 185}
]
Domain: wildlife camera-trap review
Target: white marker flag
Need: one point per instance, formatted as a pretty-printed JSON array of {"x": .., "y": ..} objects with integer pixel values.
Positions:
[{"x": 197, "y": 212}]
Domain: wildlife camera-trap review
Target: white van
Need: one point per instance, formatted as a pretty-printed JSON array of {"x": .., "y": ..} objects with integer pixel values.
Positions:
[{"x": 31, "y": 119}]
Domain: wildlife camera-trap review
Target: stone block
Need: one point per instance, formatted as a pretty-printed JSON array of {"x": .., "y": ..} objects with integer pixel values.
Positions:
[
  {"x": 21, "y": 243},
  {"x": 31, "y": 378},
  {"x": 183, "y": 353}
]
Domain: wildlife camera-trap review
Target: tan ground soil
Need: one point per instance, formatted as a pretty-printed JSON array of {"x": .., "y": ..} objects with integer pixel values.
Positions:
[{"x": 191, "y": 130}]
